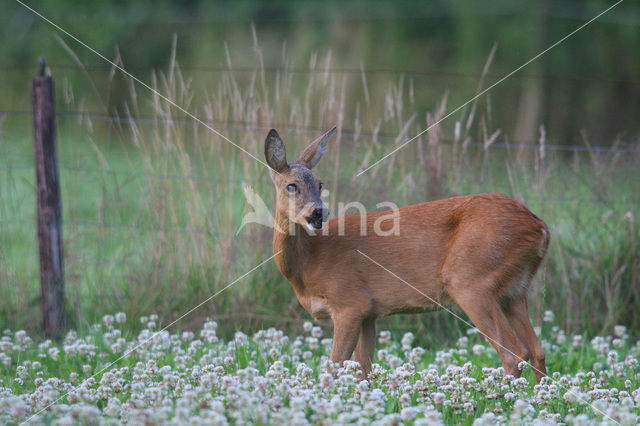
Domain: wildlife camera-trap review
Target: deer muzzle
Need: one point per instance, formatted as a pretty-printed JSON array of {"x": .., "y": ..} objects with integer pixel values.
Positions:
[{"x": 318, "y": 216}]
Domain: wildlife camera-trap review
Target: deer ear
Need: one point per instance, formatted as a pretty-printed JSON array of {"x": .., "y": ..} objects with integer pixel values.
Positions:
[
  {"x": 314, "y": 152},
  {"x": 274, "y": 152}
]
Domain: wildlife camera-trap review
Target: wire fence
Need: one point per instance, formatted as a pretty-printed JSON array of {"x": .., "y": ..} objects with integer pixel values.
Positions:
[
  {"x": 237, "y": 125},
  {"x": 338, "y": 71},
  {"x": 241, "y": 125}
]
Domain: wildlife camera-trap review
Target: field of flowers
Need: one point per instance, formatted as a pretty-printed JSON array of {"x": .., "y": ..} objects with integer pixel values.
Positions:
[{"x": 271, "y": 378}]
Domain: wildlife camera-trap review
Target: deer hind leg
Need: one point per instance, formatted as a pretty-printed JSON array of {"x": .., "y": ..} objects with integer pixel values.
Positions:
[
  {"x": 484, "y": 310},
  {"x": 517, "y": 312},
  {"x": 366, "y": 345}
]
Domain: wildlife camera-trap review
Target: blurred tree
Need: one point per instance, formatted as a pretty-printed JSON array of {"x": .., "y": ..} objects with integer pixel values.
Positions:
[{"x": 588, "y": 82}]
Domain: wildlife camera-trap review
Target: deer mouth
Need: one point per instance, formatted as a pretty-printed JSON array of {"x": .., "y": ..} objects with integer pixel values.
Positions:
[{"x": 314, "y": 222}]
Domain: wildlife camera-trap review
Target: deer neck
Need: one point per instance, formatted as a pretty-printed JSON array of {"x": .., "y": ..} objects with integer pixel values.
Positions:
[{"x": 295, "y": 250}]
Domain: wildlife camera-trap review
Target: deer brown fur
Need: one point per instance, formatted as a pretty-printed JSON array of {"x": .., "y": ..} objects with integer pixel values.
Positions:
[{"x": 477, "y": 251}]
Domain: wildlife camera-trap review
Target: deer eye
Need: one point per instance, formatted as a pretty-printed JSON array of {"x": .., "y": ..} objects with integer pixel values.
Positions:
[
  {"x": 320, "y": 186},
  {"x": 292, "y": 188}
]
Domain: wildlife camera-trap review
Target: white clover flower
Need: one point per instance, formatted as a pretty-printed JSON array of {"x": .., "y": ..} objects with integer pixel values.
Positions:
[
  {"x": 23, "y": 339},
  {"x": 577, "y": 341},
  {"x": 408, "y": 413},
  {"x": 619, "y": 330},
  {"x": 186, "y": 336},
  {"x": 316, "y": 332},
  {"x": 478, "y": 349},
  {"x": 302, "y": 370},
  {"x": 416, "y": 354},
  {"x": 394, "y": 361},
  {"x": 407, "y": 340},
  {"x": 548, "y": 316},
  {"x": 325, "y": 380},
  {"x": 297, "y": 403},
  {"x": 520, "y": 383},
  {"x": 5, "y": 359},
  {"x": 485, "y": 419},
  {"x": 241, "y": 339},
  {"x": 307, "y": 326},
  {"x": 462, "y": 342},
  {"x": 363, "y": 386},
  {"x": 439, "y": 398},
  {"x": 121, "y": 317},
  {"x": 312, "y": 342},
  {"x": 432, "y": 416},
  {"x": 107, "y": 321},
  {"x": 377, "y": 370},
  {"x": 113, "y": 407},
  {"x": 384, "y": 337}
]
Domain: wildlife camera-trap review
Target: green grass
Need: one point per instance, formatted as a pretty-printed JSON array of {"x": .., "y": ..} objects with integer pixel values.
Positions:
[{"x": 110, "y": 374}]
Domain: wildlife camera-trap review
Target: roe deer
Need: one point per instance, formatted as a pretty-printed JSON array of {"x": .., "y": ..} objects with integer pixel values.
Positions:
[{"x": 477, "y": 251}]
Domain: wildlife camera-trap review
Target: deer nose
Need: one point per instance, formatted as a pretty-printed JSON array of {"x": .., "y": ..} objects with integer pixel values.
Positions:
[{"x": 321, "y": 212}]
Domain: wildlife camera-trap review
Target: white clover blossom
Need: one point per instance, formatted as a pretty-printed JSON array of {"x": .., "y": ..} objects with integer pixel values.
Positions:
[
  {"x": 316, "y": 332},
  {"x": 407, "y": 340},
  {"x": 108, "y": 321},
  {"x": 196, "y": 376},
  {"x": 619, "y": 330},
  {"x": 478, "y": 349},
  {"x": 439, "y": 398},
  {"x": 384, "y": 337}
]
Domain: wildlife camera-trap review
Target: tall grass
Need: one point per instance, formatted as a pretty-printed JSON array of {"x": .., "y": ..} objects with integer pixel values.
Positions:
[{"x": 153, "y": 200}]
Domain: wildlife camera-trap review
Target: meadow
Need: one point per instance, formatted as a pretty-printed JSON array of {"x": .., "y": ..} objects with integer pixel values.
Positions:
[{"x": 110, "y": 376}]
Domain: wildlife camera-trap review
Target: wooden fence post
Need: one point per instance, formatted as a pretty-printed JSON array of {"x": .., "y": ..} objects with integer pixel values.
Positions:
[{"x": 49, "y": 204}]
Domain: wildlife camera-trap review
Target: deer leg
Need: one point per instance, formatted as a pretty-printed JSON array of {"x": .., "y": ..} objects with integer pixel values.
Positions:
[
  {"x": 346, "y": 330},
  {"x": 366, "y": 345},
  {"x": 518, "y": 315},
  {"x": 485, "y": 312}
]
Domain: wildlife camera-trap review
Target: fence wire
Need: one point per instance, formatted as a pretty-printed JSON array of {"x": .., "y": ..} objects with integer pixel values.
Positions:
[
  {"x": 349, "y": 134},
  {"x": 338, "y": 71}
]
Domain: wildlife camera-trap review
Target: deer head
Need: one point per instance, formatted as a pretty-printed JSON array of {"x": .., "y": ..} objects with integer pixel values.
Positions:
[{"x": 298, "y": 189}]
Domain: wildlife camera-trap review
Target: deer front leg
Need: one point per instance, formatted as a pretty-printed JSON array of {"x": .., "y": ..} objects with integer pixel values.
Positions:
[
  {"x": 346, "y": 330},
  {"x": 366, "y": 345}
]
